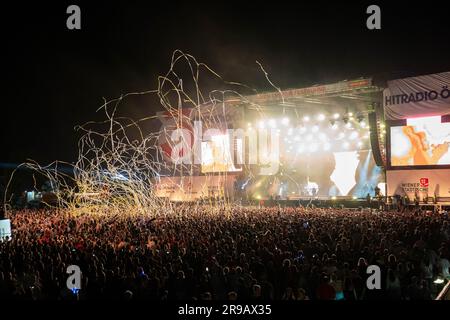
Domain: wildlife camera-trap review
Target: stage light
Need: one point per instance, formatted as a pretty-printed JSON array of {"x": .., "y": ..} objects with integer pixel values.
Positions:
[
  {"x": 363, "y": 124},
  {"x": 360, "y": 144},
  {"x": 306, "y": 118},
  {"x": 354, "y": 197},
  {"x": 262, "y": 124},
  {"x": 350, "y": 114},
  {"x": 272, "y": 123},
  {"x": 290, "y": 131},
  {"x": 336, "y": 116},
  {"x": 346, "y": 145},
  {"x": 315, "y": 128},
  {"x": 303, "y": 129},
  {"x": 285, "y": 121},
  {"x": 353, "y": 135},
  {"x": 258, "y": 197},
  {"x": 326, "y": 146},
  {"x": 348, "y": 125},
  {"x": 382, "y": 125},
  {"x": 313, "y": 147},
  {"x": 321, "y": 117},
  {"x": 333, "y": 198},
  {"x": 249, "y": 124},
  {"x": 301, "y": 148},
  {"x": 322, "y": 137},
  {"x": 309, "y": 137}
]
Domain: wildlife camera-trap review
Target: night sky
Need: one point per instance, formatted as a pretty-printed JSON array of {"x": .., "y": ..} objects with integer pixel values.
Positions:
[{"x": 55, "y": 78}]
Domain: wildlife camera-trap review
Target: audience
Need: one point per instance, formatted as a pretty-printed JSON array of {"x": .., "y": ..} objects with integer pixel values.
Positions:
[{"x": 238, "y": 254}]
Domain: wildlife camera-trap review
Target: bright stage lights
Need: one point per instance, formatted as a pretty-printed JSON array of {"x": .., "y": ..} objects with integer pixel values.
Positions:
[
  {"x": 363, "y": 124},
  {"x": 262, "y": 125},
  {"x": 321, "y": 117},
  {"x": 346, "y": 145},
  {"x": 315, "y": 128},
  {"x": 309, "y": 137},
  {"x": 348, "y": 125},
  {"x": 301, "y": 148},
  {"x": 360, "y": 144},
  {"x": 272, "y": 123},
  {"x": 313, "y": 147},
  {"x": 306, "y": 118},
  {"x": 302, "y": 129},
  {"x": 326, "y": 146},
  {"x": 353, "y": 135},
  {"x": 285, "y": 121},
  {"x": 336, "y": 116}
]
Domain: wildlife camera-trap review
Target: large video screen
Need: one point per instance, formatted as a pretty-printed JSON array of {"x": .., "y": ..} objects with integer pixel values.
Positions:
[
  {"x": 216, "y": 155},
  {"x": 422, "y": 142}
]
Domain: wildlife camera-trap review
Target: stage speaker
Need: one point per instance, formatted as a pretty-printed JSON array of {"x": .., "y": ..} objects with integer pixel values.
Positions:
[{"x": 375, "y": 141}]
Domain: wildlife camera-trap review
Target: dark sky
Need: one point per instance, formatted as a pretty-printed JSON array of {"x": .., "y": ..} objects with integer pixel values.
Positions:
[{"x": 55, "y": 78}]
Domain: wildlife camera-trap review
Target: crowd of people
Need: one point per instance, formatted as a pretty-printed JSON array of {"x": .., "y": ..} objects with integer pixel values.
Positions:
[{"x": 242, "y": 253}]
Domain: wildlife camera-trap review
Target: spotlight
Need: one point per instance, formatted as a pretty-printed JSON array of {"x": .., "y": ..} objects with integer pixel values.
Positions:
[
  {"x": 336, "y": 116},
  {"x": 350, "y": 114},
  {"x": 360, "y": 144},
  {"x": 348, "y": 125},
  {"x": 306, "y": 118},
  {"x": 321, "y": 117},
  {"x": 363, "y": 124},
  {"x": 313, "y": 147},
  {"x": 249, "y": 124},
  {"x": 353, "y": 135},
  {"x": 322, "y": 137}
]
